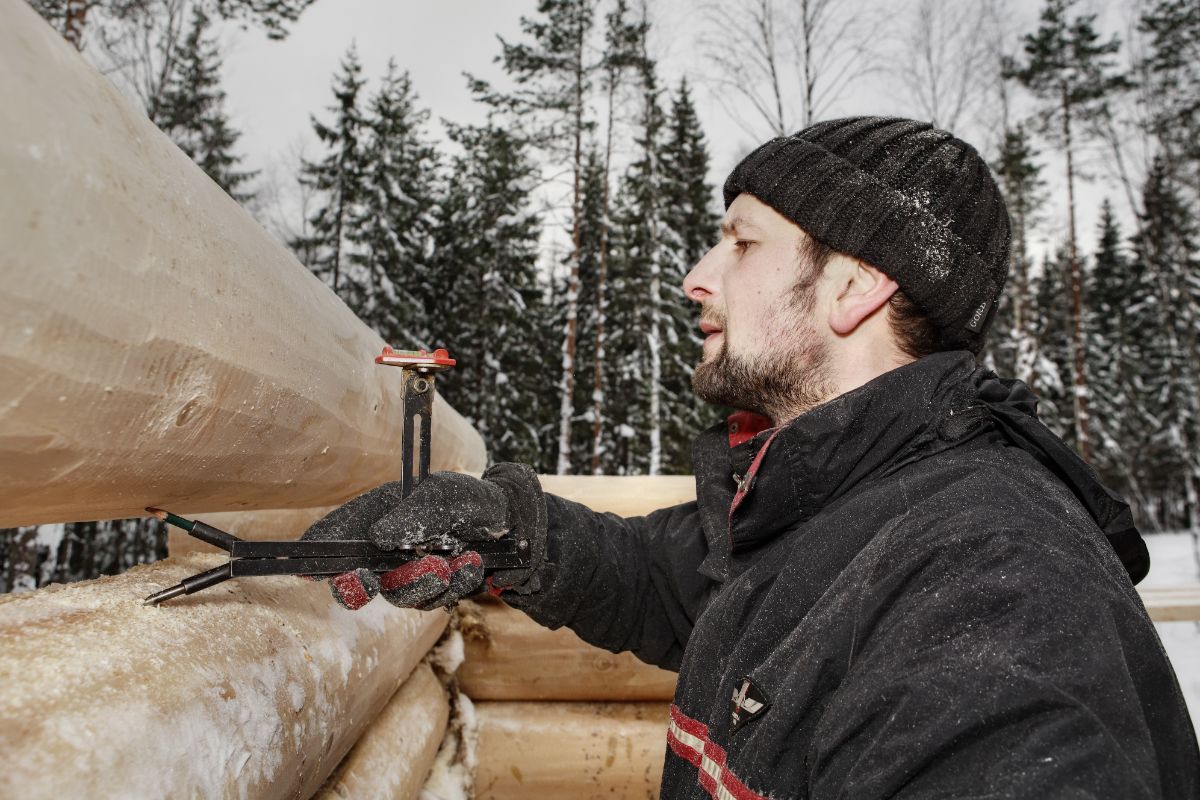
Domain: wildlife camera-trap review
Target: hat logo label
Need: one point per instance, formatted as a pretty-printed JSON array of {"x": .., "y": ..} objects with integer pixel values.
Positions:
[{"x": 976, "y": 323}]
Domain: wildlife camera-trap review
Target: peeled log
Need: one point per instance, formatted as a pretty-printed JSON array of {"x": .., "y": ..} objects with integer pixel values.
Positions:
[
  {"x": 283, "y": 523},
  {"x": 157, "y": 346},
  {"x": 392, "y": 759},
  {"x": 570, "y": 751},
  {"x": 624, "y": 495},
  {"x": 254, "y": 688},
  {"x": 511, "y": 657}
]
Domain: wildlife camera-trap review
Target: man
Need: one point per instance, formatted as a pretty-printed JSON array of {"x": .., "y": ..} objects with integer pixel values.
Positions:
[{"x": 894, "y": 580}]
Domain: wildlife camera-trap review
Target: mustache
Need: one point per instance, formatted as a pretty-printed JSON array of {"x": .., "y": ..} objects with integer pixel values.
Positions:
[{"x": 712, "y": 316}]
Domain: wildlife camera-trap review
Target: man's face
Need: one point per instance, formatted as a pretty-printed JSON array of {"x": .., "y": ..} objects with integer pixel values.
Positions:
[{"x": 764, "y": 350}]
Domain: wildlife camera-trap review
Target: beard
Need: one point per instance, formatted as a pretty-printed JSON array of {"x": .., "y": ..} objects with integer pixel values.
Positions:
[{"x": 780, "y": 384}]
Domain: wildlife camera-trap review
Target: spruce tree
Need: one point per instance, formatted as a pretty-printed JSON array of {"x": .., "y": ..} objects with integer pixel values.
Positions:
[
  {"x": 338, "y": 181},
  {"x": 388, "y": 262},
  {"x": 1169, "y": 73},
  {"x": 489, "y": 304},
  {"x": 1052, "y": 360},
  {"x": 1011, "y": 344},
  {"x": 192, "y": 110},
  {"x": 1165, "y": 249},
  {"x": 690, "y": 231},
  {"x": 1072, "y": 72},
  {"x": 591, "y": 353},
  {"x": 74, "y": 17},
  {"x": 1110, "y": 355}
]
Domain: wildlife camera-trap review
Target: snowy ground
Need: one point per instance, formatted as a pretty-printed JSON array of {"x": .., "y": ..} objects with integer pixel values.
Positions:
[{"x": 1172, "y": 564}]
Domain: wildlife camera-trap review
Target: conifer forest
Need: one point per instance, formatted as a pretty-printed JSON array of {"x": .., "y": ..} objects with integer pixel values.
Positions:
[{"x": 545, "y": 240}]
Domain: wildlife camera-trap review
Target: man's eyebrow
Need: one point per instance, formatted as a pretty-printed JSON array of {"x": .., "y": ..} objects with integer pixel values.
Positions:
[{"x": 730, "y": 228}]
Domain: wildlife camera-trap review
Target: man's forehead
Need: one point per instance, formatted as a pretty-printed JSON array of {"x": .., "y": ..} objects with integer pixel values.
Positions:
[
  {"x": 747, "y": 212},
  {"x": 738, "y": 222}
]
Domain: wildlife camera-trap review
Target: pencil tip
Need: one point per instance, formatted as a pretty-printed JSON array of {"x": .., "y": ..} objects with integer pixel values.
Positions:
[
  {"x": 165, "y": 594},
  {"x": 157, "y": 512}
]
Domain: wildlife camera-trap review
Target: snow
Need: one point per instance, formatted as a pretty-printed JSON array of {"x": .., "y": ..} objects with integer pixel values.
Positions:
[
  {"x": 453, "y": 768},
  {"x": 1172, "y": 564},
  {"x": 50, "y": 536},
  {"x": 449, "y": 655}
]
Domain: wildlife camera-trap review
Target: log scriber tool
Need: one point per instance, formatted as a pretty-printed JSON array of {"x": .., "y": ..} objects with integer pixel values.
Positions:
[{"x": 328, "y": 558}]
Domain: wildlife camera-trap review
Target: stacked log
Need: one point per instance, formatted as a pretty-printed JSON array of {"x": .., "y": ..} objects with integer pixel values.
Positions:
[
  {"x": 392, "y": 759},
  {"x": 251, "y": 689},
  {"x": 570, "y": 750},
  {"x": 555, "y": 716}
]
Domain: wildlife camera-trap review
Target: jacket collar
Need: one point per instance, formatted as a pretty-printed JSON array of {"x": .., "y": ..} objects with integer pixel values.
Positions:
[
  {"x": 788, "y": 474},
  {"x": 797, "y": 469}
]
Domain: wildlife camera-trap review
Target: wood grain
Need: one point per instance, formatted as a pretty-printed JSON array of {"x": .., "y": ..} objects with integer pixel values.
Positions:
[
  {"x": 511, "y": 657},
  {"x": 570, "y": 751}
]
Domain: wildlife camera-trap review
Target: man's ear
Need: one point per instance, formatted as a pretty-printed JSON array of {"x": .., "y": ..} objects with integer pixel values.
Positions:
[{"x": 863, "y": 291}]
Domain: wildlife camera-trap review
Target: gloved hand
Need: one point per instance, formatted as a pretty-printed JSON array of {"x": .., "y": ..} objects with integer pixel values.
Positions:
[{"x": 447, "y": 509}]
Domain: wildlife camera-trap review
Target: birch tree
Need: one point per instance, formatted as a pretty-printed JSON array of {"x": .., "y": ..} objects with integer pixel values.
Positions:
[
  {"x": 946, "y": 59},
  {"x": 778, "y": 66}
]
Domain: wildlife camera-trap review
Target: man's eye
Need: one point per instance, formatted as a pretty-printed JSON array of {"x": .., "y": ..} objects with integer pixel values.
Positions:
[{"x": 741, "y": 244}]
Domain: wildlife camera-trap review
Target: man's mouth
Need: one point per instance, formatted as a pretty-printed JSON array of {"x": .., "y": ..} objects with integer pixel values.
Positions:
[{"x": 710, "y": 331}]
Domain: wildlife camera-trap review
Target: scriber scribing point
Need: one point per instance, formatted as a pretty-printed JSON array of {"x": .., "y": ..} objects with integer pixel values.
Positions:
[{"x": 165, "y": 594}]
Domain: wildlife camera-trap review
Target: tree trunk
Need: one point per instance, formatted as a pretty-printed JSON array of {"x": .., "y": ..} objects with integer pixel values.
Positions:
[
  {"x": 566, "y": 410},
  {"x": 1075, "y": 278},
  {"x": 602, "y": 296},
  {"x": 75, "y": 20}
]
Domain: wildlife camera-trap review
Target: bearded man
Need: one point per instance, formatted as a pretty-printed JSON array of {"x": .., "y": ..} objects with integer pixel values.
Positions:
[{"x": 894, "y": 581}]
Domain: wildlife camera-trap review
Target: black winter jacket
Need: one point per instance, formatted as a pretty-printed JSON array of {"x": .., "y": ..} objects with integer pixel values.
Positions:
[{"x": 912, "y": 595}]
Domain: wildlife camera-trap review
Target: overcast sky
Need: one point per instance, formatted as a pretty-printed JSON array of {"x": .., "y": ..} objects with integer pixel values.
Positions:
[{"x": 273, "y": 87}]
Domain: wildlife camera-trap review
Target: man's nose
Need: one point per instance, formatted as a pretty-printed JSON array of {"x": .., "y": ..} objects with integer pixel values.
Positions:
[{"x": 702, "y": 281}]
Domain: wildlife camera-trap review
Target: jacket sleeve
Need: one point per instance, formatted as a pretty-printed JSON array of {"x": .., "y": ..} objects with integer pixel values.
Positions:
[
  {"x": 997, "y": 663},
  {"x": 622, "y": 583}
]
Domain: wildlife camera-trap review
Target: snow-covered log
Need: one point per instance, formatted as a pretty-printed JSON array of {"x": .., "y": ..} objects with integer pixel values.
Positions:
[
  {"x": 158, "y": 346},
  {"x": 394, "y": 756},
  {"x": 511, "y": 657},
  {"x": 254, "y": 688},
  {"x": 569, "y": 750}
]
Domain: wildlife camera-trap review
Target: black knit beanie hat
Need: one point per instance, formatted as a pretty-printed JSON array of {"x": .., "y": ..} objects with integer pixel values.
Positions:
[{"x": 903, "y": 196}]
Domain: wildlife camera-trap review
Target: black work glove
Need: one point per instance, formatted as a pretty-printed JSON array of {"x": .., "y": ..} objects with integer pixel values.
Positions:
[{"x": 446, "y": 510}]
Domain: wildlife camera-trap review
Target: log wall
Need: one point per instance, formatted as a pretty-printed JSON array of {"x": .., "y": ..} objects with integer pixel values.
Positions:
[
  {"x": 570, "y": 751},
  {"x": 255, "y": 688},
  {"x": 393, "y": 757}
]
